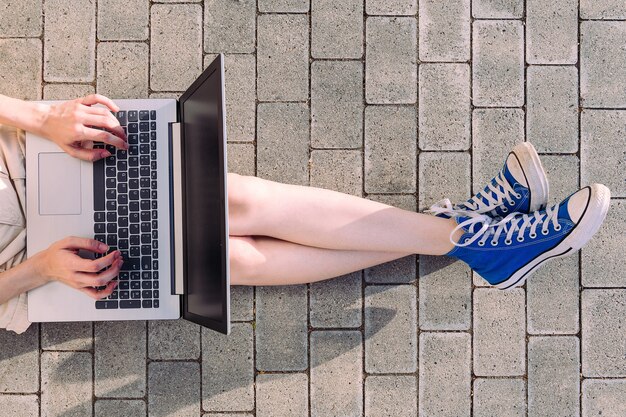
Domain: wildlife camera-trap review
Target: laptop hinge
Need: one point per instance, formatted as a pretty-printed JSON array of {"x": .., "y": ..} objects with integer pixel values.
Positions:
[{"x": 177, "y": 198}]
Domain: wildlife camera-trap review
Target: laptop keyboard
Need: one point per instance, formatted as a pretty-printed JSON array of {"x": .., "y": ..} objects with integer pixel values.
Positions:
[{"x": 126, "y": 211}]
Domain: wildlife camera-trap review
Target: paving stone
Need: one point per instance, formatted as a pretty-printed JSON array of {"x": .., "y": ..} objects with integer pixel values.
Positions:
[
  {"x": 499, "y": 332},
  {"x": 20, "y": 18},
  {"x": 602, "y": 62},
  {"x": 173, "y": 339},
  {"x": 19, "y": 356},
  {"x": 445, "y": 374},
  {"x": 603, "y": 333},
  {"x": 241, "y": 158},
  {"x": 604, "y": 9},
  {"x": 337, "y": 302},
  {"x": 495, "y": 132},
  {"x": 603, "y": 256},
  {"x": 241, "y": 303},
  {"x": 283, "y": 6},
  {"x": 283, "y": 142},
  {"x": 498, "y": 67},
  {"x": 175, "y": 46},
  {"x": 123, "y": 69},
  {"x": 603, "y": 397},
  {"x": 281, "y": 328},
  {"x": 227, "y": 369},
  {"x": 499, "y": 397},
  {"x": 19, "y": 405},
  {"x": 229, "y": 27},
  {"x": 66, "y": 91},
  {"x": 391, "y": 63},
  {"x": 337, "y": 29},
  {"x": 20, "y": 68},
  {"x": 498, "y": 9},
  {"x": 602, "y": 149},
  {"x": 107, "y": 408},
  {"x": 282, "y": 395},
  {"x": 67, "y": 336},
  {"x": 228, "y": 415},
  {"x": 445, "y": 294},
  {"x": 70, "y": 41},
  {"x": 174, "y": 389},
  {"x": 444, "y": 30},
  {"x": 66, "y": 383},
  {"x": 390, "y": 149},
  {"x": 553, "y": 376},
  {"x": 444, "y": 107},
  {"x": 391, "y": 7},
  {"x": 390, "y": 395},
  {"x": 120, "y": 20},
  {"x": 336, "y": 373},
  {"x": 552, "y": 109},
  {"x": 563, "y": 175},
  {"x": 400, "y": 271},
  {"x": 443, "y": 175},
  {"x": 283, "y": 58},
  {"x": 338, "y": 170},
  {"x": 120, "y": 359},
  {"x": 551, "y": 32},
  {"x": 336, "y": 104},
  {"x": 552, "y": 298},
  {"x": 390, "y": 329}
]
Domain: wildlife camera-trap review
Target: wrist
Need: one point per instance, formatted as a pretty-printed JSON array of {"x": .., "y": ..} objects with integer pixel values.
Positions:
[{"x": 38, "y": 267}]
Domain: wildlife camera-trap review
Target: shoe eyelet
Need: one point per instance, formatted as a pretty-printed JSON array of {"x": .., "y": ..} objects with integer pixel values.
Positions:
[
  {"x": 465, "y": 240},
  {"x": 545, "y": 232},
  {"x": 511, "y": 203},
  {"x": 532, "y": 235},
  {"x": 505, "y": 210},
  {"x": 520, "y": 238},
  {"x": 481, "y": 243},
  {"x": 494, "y": 243},
  {"x": 557, "y": 227},
  {"x": 518, "y": 195},
  {"x": 508, "y": 242}
]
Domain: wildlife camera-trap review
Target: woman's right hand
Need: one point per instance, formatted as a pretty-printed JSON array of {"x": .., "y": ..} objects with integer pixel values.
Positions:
[{"x": 60, "y": 262}]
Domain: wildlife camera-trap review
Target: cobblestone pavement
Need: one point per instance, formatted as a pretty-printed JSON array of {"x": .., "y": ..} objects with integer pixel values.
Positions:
[{"x": 401, "y": 102}]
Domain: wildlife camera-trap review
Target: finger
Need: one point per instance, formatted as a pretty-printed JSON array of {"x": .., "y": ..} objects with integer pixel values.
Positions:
[
  {"x": 99, "y": 117},
  {"x": 92, "y": 99},
  {"x": 102, "y": 136},
  {"x": 74, "y": 242},
  {"x": 95, "y": 265},
  {"x": 86, "y": 154},
  {"x": 102, "y": 278},
  {"x": 93, "y": 293}
]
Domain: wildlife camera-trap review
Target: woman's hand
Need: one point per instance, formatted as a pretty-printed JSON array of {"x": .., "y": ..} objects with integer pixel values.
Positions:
[{"x": 60, "y": 262}]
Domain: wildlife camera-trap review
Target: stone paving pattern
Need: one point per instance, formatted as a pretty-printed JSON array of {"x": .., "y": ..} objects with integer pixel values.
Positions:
[{"x": 400, "y": 101}]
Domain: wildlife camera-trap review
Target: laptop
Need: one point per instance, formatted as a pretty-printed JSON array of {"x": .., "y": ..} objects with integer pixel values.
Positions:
[{"x": 162, "y": 203}]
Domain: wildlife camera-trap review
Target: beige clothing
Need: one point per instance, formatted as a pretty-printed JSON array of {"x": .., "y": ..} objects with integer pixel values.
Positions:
[{"x": 13, "y": 314}]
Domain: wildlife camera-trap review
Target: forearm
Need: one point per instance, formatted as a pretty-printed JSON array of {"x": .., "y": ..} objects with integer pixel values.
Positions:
[
  {"x": 20, "y": 279},
  {"x": 22, "y": 114}
]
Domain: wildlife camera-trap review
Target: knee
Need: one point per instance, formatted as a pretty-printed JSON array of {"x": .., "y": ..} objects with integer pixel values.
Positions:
[
  {"x": 246, "y": 260},
  {"x": 246, "y": 195}
]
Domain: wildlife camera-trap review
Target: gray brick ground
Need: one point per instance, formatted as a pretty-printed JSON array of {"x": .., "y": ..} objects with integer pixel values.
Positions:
[
  {"x": 443, "y": 175},
  {"x": 390, "y": 395},
  {"x": 66, "y": 383},
  {"x": 499, "y": 397},
  {"x": 337, "y": 29},
  {"x": 445, "y": 374},
  {"x": 499, "y": 332},
  {"x": 390, "y": 149},
  {"x": 20, "y": 18},
  {"x": 603, "y": 333},
  {"x": 603, "y": 398},
  {"x": 391, "y": 61},
  {"x": 282, "y": 395},
  {"x": 229, "y": 26},
  {"x": 173, "y": 339},
  {"x": 283, "y": 58},
  {"x": 444, "y": 30},
  {"x": 66, "y": 91},
  {"x": 338, "y": 170},
  {"x": 20, "y": 361},
  {"x": 175, "y": 43},
  {"x": 390, "y": 329},
  {"x": 283, "y": 6},
  {"x": 67, "y": 336},
  {"x": 107, "y": 408},
  {"x": 241, "y": 303},
  {"x": 498, "y": 68},
  {"x": 605, "y": 9},
  {"x": 553, "y": 376},
  {"x": 602, "y": 60},
  {"x": 551, "y": 32},
  {"x": 445, "y": 294},
  {"x": 336, "y": 373},
  {"x": 174, "y": 389},
  {"x": 283, "y": 142},
  {"x": 336, "y": 104},
  {"x": 602, "y": 132},
  {"x": 497, "y": 9},
  {"x": 563, "y": 175},
  {"x": 391, "y": 7},
  {"x": 552, "y": 109},
  {"x": 120, "y": 359},
  {"x": 281, "y": 328},
  {"x": 444, "y": 107},
  {"x": 241, "y": 158},
  {"x": 337, "y": 302},
  {"x": 20, "y": 68},
  {"x": 70, "y": 41},
  {"x": 602, "y": 258},
  {"x": 19, "y": 405},
  {"x": 123, "y": 20},
  {"x": 552, "y": 298},
  {"x": 123, "y": 69},
  {"x": 227, "y": 369}
]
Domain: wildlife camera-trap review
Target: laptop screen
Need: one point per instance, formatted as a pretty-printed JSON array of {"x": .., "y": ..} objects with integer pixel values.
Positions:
[{"x": 206, "y": 296}]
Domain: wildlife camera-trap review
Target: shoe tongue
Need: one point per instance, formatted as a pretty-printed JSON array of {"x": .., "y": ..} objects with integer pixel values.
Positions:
[{"x": 460, "y": 219}]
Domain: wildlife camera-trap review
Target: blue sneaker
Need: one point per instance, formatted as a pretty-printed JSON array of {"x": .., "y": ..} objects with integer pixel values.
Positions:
[
  {"x": 506, "y": 251},
  {"x": 521, "y": 186}
]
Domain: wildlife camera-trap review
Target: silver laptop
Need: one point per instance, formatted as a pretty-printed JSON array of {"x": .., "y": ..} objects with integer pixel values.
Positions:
[{"x": 162, "y": 203}]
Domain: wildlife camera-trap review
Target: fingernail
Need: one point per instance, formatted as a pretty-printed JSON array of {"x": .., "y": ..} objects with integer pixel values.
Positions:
[
  {"x": 102, "y": 246},
  {"x": 105, "y": 154}
]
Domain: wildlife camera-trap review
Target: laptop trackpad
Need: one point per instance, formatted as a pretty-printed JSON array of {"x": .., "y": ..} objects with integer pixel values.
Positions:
[{"x": 59, "y": 184}]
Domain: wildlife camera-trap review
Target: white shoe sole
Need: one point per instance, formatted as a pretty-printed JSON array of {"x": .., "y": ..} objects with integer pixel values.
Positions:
[
  {"x": 587, "y": 226},
  {"x": 535, "y": 175}
]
